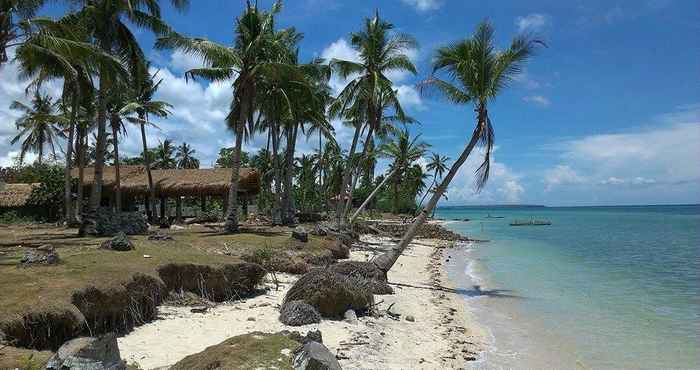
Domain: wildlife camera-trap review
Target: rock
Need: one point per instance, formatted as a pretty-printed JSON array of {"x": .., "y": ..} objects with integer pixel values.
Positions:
[
  {"x": 160, "y": 237},
  {"x": 88, "y": 353},
  {"x": 251, "y": 319},
  {"x": 330, "y": 293},
  {"x": 314, "y": 335},
  {"x": 119, "y": 242},
  {"x": 350, "y": 317},
  {"x": 308, "y": 217},
  {"x": 109, "y": 223},
  {"x": 314, "y": 356},
  {"x": 410, "y": 318},
  {"x": 300, "y": 234},
  {"x": 338, "y": 249},
  {"x": 297, "y": 313},
  {"x": 199, "y": 309},
  {"x": 320, "y": 230},
  {"x": 43, "y": 255},
  {"x": 164, "y": 223}
]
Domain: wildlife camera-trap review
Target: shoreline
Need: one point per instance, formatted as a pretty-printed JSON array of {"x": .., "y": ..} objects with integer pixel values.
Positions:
[{"x": 442, "y": 333}]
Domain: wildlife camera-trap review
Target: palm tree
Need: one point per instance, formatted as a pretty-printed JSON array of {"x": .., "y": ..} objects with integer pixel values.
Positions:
[
  {"x": 107, "y": 21},
  {"x": 437, "y": 164},
  {"x": 38, "y": 126},
  {"x": 254, "y": 54},
  {"x": 138, "y": 111},
  {"x": 10, "y": 12},
  {"x": 370, "y": 90},
  {"x": 476, "y": 72},
  {"x": 164, "y": 158},
  {"x": 185, "y": 157}
]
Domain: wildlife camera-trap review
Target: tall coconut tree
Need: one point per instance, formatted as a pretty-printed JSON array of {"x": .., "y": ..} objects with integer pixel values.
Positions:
[
  {"x": 12, "y": 27},
  {"x": 38, "y": 126},
  {"x": 468, "y": 72},
  {"x": 164, "y": 156},
  {"x": 184, "y": 157},
  {"x": 437, "y": 164},
  {"x": 138, "y": 111},
  {"x": 107, "y": 21},
  {"x": 254, "y": 54},
  {"x": 380, "y": 51}
]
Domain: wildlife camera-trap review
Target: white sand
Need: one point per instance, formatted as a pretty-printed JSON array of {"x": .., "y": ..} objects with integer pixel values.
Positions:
[{"x": 441, "y": 336}]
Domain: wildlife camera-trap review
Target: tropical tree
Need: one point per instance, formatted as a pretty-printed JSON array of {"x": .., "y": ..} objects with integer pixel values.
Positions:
[
  {"x": 38, "y": 126},
  {"x": 108, "y": 23},
  {"x": 254, "y": 55},
  {"x": 164, "y": 158},
  {"x": 185, "y": 157},
  {"x": 369, "y": 91},
  {"x": 470, "y": 71},
  {"x": 403, "y": 152},
  {"x": 437, "y": 164},
  {"x": 12, "y": 27},
  {"x": 138, "y": 111}
]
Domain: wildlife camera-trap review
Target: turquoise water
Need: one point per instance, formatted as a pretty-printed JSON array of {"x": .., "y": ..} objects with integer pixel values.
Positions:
[{"x": 601, "y": 288}]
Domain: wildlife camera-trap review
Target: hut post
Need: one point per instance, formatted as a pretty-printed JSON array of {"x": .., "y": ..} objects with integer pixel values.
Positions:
[
  {"x": 178, "y": 209},
  {"x": 163, "y": 200},
  {"x": 203, "y": 203}
]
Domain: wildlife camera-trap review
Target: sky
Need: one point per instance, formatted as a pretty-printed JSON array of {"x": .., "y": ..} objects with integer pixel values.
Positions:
[{"x": 607, "y": 114}]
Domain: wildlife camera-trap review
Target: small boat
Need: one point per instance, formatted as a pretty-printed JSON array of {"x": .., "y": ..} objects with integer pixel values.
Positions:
[{"x": 532, "y": 222}]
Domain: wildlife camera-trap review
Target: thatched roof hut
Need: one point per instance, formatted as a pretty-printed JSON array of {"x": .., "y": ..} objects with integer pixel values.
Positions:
[
  {"x": 176, "y": 182},
  {"x": 15, "y": 195}
]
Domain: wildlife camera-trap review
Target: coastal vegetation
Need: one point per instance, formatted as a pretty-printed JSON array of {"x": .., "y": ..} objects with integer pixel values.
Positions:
[{"x": 93, "y": 203}]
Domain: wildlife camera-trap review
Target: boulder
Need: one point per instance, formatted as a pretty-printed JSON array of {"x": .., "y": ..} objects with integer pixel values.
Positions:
[
  {"x": 297, "y": 313},
  {"x": 88, "y": 353},
  {"x": 314, "y": 356},
  {"x": 338, "y": 249},
  {"x": 330, "y": 293},
  {"x": 119, "y": 242},
  {"x": 311, "y": 336},
  {"x": 43, "y": 255},
  {"x": 375, "y": 278},
  {"x": 300, "y": 234},
  {"x": 350, "y": 317}
]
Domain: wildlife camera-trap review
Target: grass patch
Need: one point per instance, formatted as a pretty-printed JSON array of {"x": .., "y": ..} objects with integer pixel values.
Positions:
[{"x": 249, "y": 351}]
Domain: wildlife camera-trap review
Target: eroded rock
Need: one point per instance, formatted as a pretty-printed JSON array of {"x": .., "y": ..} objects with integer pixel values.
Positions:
[
  {"x": 88, "y": 353},
  {"x": 314, "y": 356}
]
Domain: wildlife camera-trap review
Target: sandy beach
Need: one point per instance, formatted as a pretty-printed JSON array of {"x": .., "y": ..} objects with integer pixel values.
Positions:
[{"x": 433, "y": 330}]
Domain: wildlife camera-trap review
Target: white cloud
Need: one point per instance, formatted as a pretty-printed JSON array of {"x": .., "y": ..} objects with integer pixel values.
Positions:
[
  {"x": 532, "y": 22},
  {"x": 538, "y": 100},
  {"x": 424, "y": 5},
  {"x": 182, "y": 62},
  {"x": 652, "y": 163},
  {"x": 410, "y": 98}
]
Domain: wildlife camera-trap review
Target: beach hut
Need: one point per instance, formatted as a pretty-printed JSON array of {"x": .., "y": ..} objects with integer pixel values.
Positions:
[
  {"x": 15, "y": 197},
  {"x": 203, "y": 183}
]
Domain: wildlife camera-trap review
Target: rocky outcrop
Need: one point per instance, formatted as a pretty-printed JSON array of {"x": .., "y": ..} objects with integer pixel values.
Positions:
[
  {"x": 43, "y": 255},
  {"x": 88, "y": 353},
  {"x": 297, "y": 313},
  {"x": 315, "y": 356},
  {"x": 119, "y": 242}
]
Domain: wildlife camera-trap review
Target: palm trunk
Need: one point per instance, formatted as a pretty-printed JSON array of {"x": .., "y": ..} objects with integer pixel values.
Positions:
[
  {"x": 276, "y": 202},
  {"x": 69, "y": 153},
  {"x": 231, "y": 225},
  {"x": 89, "y": 224},
  {"x": 151, "y": 201},
  {"x": 372, "y": 195},
  {"x": 117, "y": 176},
  {"x": 287, "y": 206},
  {"x": 365, "y": 150},
  {"x": 427, "y": 191},
  {"x": 81, "y": 146},
  {"x": 385, "y": 261},
  {"x": 346, "y": 179}
]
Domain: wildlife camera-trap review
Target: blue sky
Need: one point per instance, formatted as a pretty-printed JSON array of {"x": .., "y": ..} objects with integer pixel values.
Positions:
[{"x": 609, "y": 113}]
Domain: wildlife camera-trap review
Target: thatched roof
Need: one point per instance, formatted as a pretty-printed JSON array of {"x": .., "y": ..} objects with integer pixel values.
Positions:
[
  {"x": 204, "y": 181},
  {"x": 15, "y": 195}
]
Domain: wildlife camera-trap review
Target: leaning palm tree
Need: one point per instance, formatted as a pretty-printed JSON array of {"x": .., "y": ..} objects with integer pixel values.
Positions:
[
  {"x": 369, "y": 91},
  {"x": 471, "y": 71},
  {"x": 253, "y": 55},
  {"x": 185, "y": 158},
  {"x": 38, "y": 126},
  {"x": 437, "y": 164}
]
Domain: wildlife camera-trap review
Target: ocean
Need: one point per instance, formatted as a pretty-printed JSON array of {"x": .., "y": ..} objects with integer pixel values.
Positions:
[{"x": 599, "y": 288}]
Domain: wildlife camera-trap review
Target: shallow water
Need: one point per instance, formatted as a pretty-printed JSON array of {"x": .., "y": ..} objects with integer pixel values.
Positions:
[{"x": 601, "y": 288}]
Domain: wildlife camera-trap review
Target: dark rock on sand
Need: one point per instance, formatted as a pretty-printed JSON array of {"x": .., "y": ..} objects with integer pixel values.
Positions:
[
  {"x": 297, "y": 313},
  {"x": 119, "y": 242},
  {"x": 338, "y": 249},
  {"x": 43, "y": 255},
  {"x": 88, "y": 353},
  {"x": 315, "y": 356},
  {"x": 300, "y": 233},
  {"x": 331, "y": 293}
]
